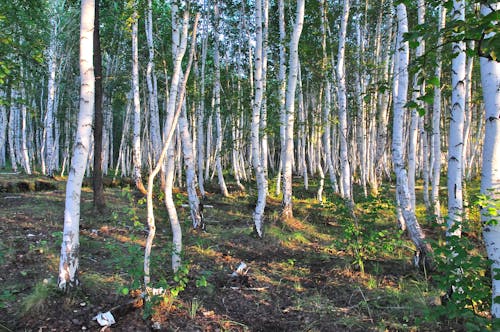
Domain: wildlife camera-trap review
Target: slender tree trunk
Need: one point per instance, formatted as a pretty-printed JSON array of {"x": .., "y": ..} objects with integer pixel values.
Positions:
[
  {"x": 287, "y": 154},
  {"x": 187, "y": 151},
  {"x": 282, "y": 90},
  {"x": 436, "y": 122},
  {"x": 68, "y": 267},
  {"x": 24, "y": 139},
  {"x": 137, "y": 104},
  {"x": 218, "y": 122},
  {"x": 48, "y": 146},
  {"x": 455, "y": 144},
  {"x": 201, "y": 112},
  {"x": 12, "y": 129},
  {"x": 99, "y": 200},
  {"x": 154, "y": 127},
  {"x": 257, "y": 142},
  {"x": 159, "y": 163},
  {"x": 345, "y": 169},
  {"x": 400, "y": 98}
]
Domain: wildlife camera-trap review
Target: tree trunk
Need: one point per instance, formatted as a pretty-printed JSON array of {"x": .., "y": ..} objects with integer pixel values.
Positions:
[
  {"x": 218, "y": 122},
  {"x": 345, "y": 170},
  {"x": 455, "y": 143},
  {"x": 287, "y": 154},
  {"x": 400, "y": 93},
  {"x": 490, "y": 175},
  {"x": 436, "y": 122},
  {"x": 99, "y": 201},
  {"x": 257, "y": 155},
  {"x": 68, "y": 266},
  {"x": 137, "y": 105},
  {"x": 282, "y": 90}
]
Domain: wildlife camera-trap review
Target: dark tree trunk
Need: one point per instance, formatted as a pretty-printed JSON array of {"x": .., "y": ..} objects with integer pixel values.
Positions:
[{"x": 99, "y": 201}]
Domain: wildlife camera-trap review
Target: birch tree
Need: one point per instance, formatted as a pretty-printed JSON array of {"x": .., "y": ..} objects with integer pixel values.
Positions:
[
  {"x": 400, "y": 98},
  {"x": 69, "y": 264},
  {"x": 436, "y": 121},
  {"x": 456, "y": 132},
  {"x": 490, "y": 175},
  {"x": 257, "y": 156},
  {"x": 218, "y": 121},
  {"x": 287, "y": 154},
  {"x": 136, "y": 104},
  {"x": 345, "y": 170}
]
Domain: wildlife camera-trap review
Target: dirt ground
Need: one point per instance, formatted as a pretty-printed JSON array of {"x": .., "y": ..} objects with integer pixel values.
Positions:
[{"x": 291, "y": 284}]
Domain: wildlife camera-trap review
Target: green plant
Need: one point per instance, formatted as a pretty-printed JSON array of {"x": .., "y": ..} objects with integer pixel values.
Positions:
[
  {"x": 7, "y": 295},
  {"x": 35, "y": 301},
  {"x": 462, "y": 275},
  {"x": 195, "y": 306}
]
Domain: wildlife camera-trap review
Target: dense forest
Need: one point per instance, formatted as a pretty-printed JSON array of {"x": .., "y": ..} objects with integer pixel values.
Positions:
[{"x": 372, "y": 126}]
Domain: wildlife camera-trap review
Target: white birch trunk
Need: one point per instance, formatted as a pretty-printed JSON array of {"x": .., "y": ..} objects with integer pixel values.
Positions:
[
  {"x": 455, "y": 143},
  {"x": 490, "y": 175},
  {"x": 218, "y": 122},
  {"x": 154, "y": 130},
  {"x": 436, "y": 122},
  {"x": 187, "y": 150},
  {"x": 12, "y": 129},
  {"x": 282, "y": 90},
  {"x": 48, "y": 165},
  {"x": 68, "y": 266},
  {"x": 400, "y": 98},
  {"x": 201, "y": 113},
  {"x": 24, "y": 135},
  {"x": 136, "y": 141},
  {"x": 257, "y": 155},
  {"x": 287, "y": 155},
  {"x": 415, "y": 118},
  {"x": 345, "y": 170},
  {"x": 179, "y": 45}
]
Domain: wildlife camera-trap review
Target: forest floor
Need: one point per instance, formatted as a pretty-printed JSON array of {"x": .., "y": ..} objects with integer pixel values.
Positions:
[{"x": 306, "y": 274}]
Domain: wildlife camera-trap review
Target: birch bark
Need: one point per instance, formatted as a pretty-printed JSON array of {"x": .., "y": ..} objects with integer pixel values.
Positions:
[
  {"x": 69, "y": 264},
  {"x": 218, "y": 122},
  {"x": 490, "y": 175},
  {"x": 137, "y": 104},
  {"x": 455, "y": 143},
  {"x": 436, "y": 122},
  {"x": 345, "y": 170},
  {"x": 257, "y": 155},
  {"x": 287, "y": 154},
  {"x": 400, "y": 98}
]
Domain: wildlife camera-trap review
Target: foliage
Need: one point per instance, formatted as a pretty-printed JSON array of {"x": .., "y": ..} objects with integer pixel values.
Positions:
[
  {"x": 462, "y": 275},
  {"x": 364, "y": 239}
]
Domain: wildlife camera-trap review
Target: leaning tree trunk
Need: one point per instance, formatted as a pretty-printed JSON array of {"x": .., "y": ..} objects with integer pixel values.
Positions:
[
  {"x": 490, "y": 175},
  {"x": 68, "y": 266},
  {"x": 287, "y": 154},
  {"x": 400, "y": 98}
]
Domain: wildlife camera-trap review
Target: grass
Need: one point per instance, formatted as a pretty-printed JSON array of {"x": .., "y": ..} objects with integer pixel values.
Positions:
[
  {"x": 36, "y": 301},
  {"x": 305, "y": 272}
]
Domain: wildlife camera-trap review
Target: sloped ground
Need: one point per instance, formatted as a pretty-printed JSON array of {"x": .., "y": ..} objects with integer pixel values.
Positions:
[{"x": 305, "y": 275}]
